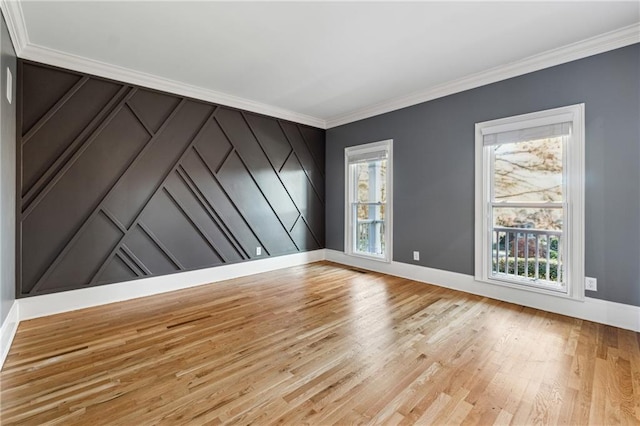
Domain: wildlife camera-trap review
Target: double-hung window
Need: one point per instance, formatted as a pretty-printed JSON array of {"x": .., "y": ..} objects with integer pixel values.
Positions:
[
  {"x": 530, "y": 201},
  {"x": 368, "y": 177}
]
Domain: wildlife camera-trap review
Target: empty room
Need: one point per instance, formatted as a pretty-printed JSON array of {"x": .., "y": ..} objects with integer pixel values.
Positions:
[{"x": 319, "y": 213}]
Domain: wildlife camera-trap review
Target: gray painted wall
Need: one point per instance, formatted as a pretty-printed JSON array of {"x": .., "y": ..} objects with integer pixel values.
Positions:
[
  {"x": 7, "y": 175},
  {"x": 434, "y": 166}
]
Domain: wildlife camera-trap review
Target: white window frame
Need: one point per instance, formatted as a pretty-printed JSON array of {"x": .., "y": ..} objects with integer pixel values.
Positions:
[
  {"x": 573, "y": 224},
  {"x": 360, "y": 150}
]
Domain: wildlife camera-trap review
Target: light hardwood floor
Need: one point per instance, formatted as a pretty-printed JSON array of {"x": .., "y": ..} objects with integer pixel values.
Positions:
[{"x": 319, "y": 344}]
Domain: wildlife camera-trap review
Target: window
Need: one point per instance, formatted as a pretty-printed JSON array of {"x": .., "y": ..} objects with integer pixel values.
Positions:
[
  {"x": 530, "y": 201},
  {"x": 368, "y": 195}
]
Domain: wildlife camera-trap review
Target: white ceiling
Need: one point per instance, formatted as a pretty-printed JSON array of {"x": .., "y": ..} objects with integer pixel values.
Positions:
[{"x": 324, "y": 60}]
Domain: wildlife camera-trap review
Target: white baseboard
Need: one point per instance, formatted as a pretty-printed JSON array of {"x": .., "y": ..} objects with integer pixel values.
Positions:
[
  {"x": 8, "y": 331},
  {"x": 596, "y": 310},
  {"x": 55, "y": 303}
]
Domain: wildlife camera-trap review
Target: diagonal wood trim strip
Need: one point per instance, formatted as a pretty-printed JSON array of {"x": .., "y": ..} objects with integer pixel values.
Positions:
[
  {"x": 105, "y": 211},
  {"x": 161, "y": 246},
  {"x": 81, "y": 138},
  {"x": 188, "y": 181},
  {"x": 297, "y": 152},
  {"x": 77, "y": 153},
  {"x": 133, "y": 267},
  {"x": 136, "y": 113},
  {"x": 214, "y": 176},
  {"x": 193, "y": 222},
  {"x": 136, "y": 261},
  {"x": 55, "y": 108}
]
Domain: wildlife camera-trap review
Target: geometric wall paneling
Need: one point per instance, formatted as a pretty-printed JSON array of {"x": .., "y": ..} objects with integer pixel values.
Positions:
[
  {"x": 303, "y": 238},
  {"x": 119, "y": 182},
  {"x": 66, "y": 126},
  {"x": 271, "y": 136},
  {"x": 249, "y": 154},
  {"x": 47, "y": 87},
  {"x": 196, "y": 214},
  {"x": 303, "y": 194},
  {"x": 117, "y": 270},
  {"x": 203, "y": 182},
  {"x": 143, "y": 178},
  {"x": 153, "y": 108},
  {"x": 315, "y": 141},
  {"x": 54, "y": 218},
  {"x": 245, "y": 193},
  {"x": 78, "y": 264},
  {"x": 315, "y": 176},
  {"x": 168, "y": 220}
]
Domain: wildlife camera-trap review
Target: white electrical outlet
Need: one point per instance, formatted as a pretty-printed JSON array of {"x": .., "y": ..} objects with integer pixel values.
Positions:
[
  {"x": 258, "y": 251},
  {"x": 590, "y": 284},
  {"x": 416, "y": 255}
]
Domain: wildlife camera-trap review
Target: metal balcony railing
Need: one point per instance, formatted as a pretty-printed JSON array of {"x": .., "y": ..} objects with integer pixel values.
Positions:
[
  {"x": 370, "y": 227},
  {"x": 528, "y": 254},
  {"x": 370, "y": 236}
]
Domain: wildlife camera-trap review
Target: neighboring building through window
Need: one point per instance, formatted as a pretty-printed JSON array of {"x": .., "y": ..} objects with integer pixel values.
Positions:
[
  {"x": 530, "y": 201},
  {"x": 368, "y": 195}
]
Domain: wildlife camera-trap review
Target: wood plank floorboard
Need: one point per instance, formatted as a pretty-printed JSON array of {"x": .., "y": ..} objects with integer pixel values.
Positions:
[{"x": 319, "y": 344}]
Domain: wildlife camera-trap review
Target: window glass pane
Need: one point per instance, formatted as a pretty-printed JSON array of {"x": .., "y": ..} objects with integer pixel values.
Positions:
[
  {"x": 528, "y": 171},
  {"x": 368, "y": 208},
  {"x": 530, "y": 218},
  {"x": 370, "y": 180},
  {"x": 369, "y": 228}
]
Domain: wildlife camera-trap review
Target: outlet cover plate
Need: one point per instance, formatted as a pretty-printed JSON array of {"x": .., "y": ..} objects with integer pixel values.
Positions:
[{"x": 591, "y": 284}]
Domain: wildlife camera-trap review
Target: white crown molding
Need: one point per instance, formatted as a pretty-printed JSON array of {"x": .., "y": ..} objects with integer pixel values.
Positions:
[
  {"x": 12, "y": 12},
  {"x": 582, "y": 49},
  {"x": 596, "y": 310}
]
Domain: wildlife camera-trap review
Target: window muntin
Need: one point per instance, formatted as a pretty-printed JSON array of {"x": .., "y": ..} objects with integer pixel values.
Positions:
[
  {"x": 529, "y": 201},
  {"x": 368, "y": 176}
]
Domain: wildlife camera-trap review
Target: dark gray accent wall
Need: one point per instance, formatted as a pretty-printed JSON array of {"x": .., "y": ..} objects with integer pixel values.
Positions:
[
  {"x": 118, "y": 182},
  {"x": 7, "y": 174},
  {"x": 434, "y": 166}
]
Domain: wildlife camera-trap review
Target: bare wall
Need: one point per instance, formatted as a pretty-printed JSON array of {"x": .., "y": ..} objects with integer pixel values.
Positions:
[
  {"x": 434, "y": 166},
  {"x": 7, "y": 175},
  {"x": 118, "y": 182}
]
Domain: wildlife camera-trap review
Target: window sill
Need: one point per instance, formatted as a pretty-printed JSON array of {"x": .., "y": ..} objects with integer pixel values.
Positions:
[
  {"x": 531, "y": 288},
  {"x": 381, "y": 259}
]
